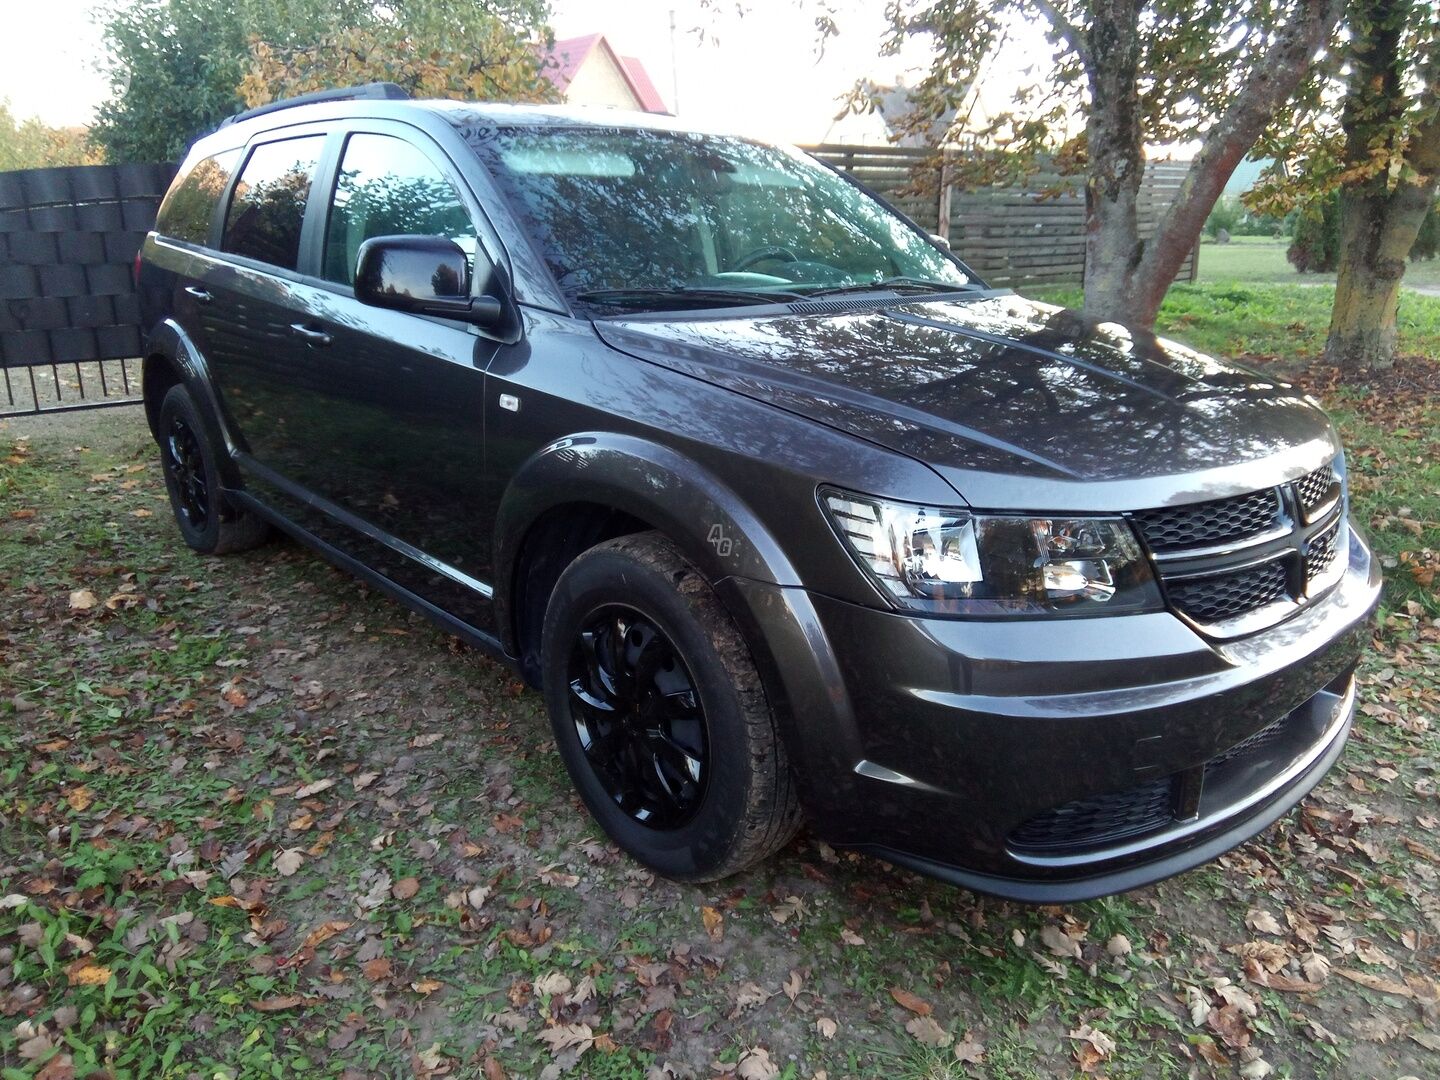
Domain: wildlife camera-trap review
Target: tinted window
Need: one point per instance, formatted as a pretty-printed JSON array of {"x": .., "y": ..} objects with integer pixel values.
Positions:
[
  {"x": 268, "y": 206},
  {"x": 386, "y": 187},
  {"x": 189, "y": 207},
  {"x": 649, "y": 209}
]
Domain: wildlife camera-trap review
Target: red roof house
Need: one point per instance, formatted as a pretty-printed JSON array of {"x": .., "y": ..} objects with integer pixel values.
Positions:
[{"x": 588, "y": 71}]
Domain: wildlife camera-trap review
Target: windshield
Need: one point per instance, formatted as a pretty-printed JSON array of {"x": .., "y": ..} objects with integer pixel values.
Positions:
[{"x": 641, "y": 219}]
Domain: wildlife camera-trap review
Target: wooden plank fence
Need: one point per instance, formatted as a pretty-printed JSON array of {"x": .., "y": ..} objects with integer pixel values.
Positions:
[{"x": 1012, "y": 236}]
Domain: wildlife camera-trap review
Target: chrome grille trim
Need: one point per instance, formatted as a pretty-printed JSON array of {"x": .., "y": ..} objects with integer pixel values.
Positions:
[{"x": 1286, "y": 548}]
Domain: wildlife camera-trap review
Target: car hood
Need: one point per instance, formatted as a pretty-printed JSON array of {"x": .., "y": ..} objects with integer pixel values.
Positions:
[{"x": 1090, "y": 414}]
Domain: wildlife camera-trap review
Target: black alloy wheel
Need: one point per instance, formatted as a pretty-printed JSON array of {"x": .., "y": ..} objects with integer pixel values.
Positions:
[
  {"x": 660, "y": 715},
  {"x": 638, "y": 717},
  {"x": 186, "y": 468},
  {"x": 189, "y": 458}
]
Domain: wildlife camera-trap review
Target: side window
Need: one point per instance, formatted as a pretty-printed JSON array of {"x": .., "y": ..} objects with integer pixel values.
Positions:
[
  {"x": 190, "y": 204},
  {"x": 268, "y": 206},
  {"x": 386, "y": 187}
]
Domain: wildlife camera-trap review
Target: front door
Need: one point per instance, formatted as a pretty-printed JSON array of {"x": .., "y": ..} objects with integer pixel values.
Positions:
[{"x": 392, "y": 437}]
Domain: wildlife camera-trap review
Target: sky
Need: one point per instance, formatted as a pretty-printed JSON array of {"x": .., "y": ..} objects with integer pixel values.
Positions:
[{"x": 757, "y": 74}]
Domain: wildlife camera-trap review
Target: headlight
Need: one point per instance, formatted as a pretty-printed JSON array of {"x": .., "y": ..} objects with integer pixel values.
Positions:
[{"x": 953, "y": 562}]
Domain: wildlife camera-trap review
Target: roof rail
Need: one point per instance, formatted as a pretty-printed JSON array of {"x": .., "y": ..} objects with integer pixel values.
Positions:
[{"x": 381, "y": 91}]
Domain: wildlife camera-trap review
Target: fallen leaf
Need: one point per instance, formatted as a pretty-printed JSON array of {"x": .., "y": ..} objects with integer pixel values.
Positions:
[
  {"x": 377, "y": 969},
  {"x": 289, "y": 861},
  {"x": 361, "y": 781},
  {"x": 1377, "y": 1029},
  {"x": 792, "y": 985},
  {"x": 568, "y": 1037},
  {"x": 315, "y": 788},
  {"x": 755, "y": 1064},
  {"x": 1262, "y": 922},
  {"x": 1229, "y": 1023},
  {"x": 1376, "y": 982},
  {"x": 970, "y": 1050},
  {"x": 324, "y": 932},
  {"x": 552, "y": 984},
  {"x": 906, "y": 1000},
  {"x": 1092, "y": 1047},
  {"x": 86, "y": 974},
  {"x": 277, "y": 1003},
  {"x": 714, "y": 922},
  {"x": 1059, "y": 942},
  {"x": 927, "y": 1032}
]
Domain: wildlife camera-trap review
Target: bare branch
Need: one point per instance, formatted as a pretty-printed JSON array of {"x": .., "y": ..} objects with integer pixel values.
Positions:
[{"x": 1068, "y": 31}]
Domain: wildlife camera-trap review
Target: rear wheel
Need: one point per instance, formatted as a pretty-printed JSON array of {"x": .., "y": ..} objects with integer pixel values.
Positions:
[
  {"x": 659, "y": 714},
  {"x": 189, "y": 458}
]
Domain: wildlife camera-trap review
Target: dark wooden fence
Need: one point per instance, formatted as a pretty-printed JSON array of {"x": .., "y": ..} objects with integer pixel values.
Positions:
[
  {"x": 1012, "y": 236},
  {"x": 69, "y": 314}
]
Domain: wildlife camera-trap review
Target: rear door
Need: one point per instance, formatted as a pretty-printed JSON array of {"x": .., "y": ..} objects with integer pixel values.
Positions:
[{"x": 250, "y": 298}]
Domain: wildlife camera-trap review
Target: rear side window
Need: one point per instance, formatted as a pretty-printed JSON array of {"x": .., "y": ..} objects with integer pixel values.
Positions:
[
  {"x": 268, "y": 206},
  {"x": 386, "y": 187},
  {"x": 190, "y": 205}
]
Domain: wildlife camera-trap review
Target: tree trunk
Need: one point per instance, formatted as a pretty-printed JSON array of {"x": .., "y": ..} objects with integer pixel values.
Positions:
[
  {"x": 1377, "y": 231},
  {"x": 1131, "y": 276},
  {"x": 1379, "y": 222},
  {"x": 1114, "y": 142}
]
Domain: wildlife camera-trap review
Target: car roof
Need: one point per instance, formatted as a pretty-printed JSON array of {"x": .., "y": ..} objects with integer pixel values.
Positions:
[{"x": 456, "y": 114}]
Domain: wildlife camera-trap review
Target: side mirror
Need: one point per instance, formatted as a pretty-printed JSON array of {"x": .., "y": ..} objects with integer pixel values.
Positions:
[
  {"x": 939, "y": 241},
  {"x": 427, "y": 275}
]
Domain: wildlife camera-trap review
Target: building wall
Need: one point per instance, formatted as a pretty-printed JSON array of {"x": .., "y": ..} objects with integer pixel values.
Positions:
[{"x": 600, "y": 82}]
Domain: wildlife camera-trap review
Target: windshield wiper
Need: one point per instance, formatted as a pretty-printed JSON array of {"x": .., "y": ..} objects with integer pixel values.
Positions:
[
  {"x": 680, "y": 293},
  {"x": 927, "y": 284}
]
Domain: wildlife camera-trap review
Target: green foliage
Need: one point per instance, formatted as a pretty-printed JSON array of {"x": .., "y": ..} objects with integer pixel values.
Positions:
[
  {"x": 29, "y": 144},
  {"x": 177, "y": 65},
  {"x": 1316, "y": 244},
  {"x": 1427, "y": 241},
  {"x": 1227, "y": 215}
]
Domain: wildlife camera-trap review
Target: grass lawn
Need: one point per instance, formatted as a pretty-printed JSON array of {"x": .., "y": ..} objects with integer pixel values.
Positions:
[
  {"x": 256, "y": 821},
  {"x": 1262, "y": 259}
]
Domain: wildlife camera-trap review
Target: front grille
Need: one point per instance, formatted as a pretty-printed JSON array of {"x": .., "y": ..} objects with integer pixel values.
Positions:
[
  {"x": 1321, "y": 556},
  {"x": 1288, "y": 535},
  {"x": 1314, "y": 489},
  {"x": 1099, "y": 820},
  {"x": 1217, "y": 597},
  {"x": 1174, "y": 528}
]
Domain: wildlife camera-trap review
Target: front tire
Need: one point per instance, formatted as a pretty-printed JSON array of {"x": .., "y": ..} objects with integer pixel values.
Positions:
[
  {"x": 659, "y": 713},
  {"x": 189, "y": 458}
]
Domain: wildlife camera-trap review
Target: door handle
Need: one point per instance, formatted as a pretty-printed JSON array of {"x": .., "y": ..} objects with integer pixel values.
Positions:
[
  {"x": 312, "y": 336},
  {"x": 201, "y": 294}
]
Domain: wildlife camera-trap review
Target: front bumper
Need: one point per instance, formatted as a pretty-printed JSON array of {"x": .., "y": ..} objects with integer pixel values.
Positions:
[{"x": 1053, "y": 761}]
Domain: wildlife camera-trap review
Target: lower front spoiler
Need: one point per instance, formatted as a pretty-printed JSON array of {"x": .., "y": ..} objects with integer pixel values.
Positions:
[{"x": 1166, "y": 853}]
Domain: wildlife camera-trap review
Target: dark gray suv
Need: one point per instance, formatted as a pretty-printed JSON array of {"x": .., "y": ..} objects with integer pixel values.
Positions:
[{"x": 777, "y": 502}]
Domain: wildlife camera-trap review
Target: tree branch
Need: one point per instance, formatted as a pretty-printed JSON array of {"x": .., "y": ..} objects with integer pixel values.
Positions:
[
  {"x": 1068, "y": 31},
  {"x": 1273, "y": 77}
]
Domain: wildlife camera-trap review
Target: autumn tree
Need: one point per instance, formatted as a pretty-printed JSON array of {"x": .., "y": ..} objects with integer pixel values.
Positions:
[
  {"x": 1375, "y": 139},
  {"x": 31, "y": 144},
  {"x": 1140, "y": 74},
  {"x": 179, "y": 67},
  {"x": 432, "y": 48}
]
